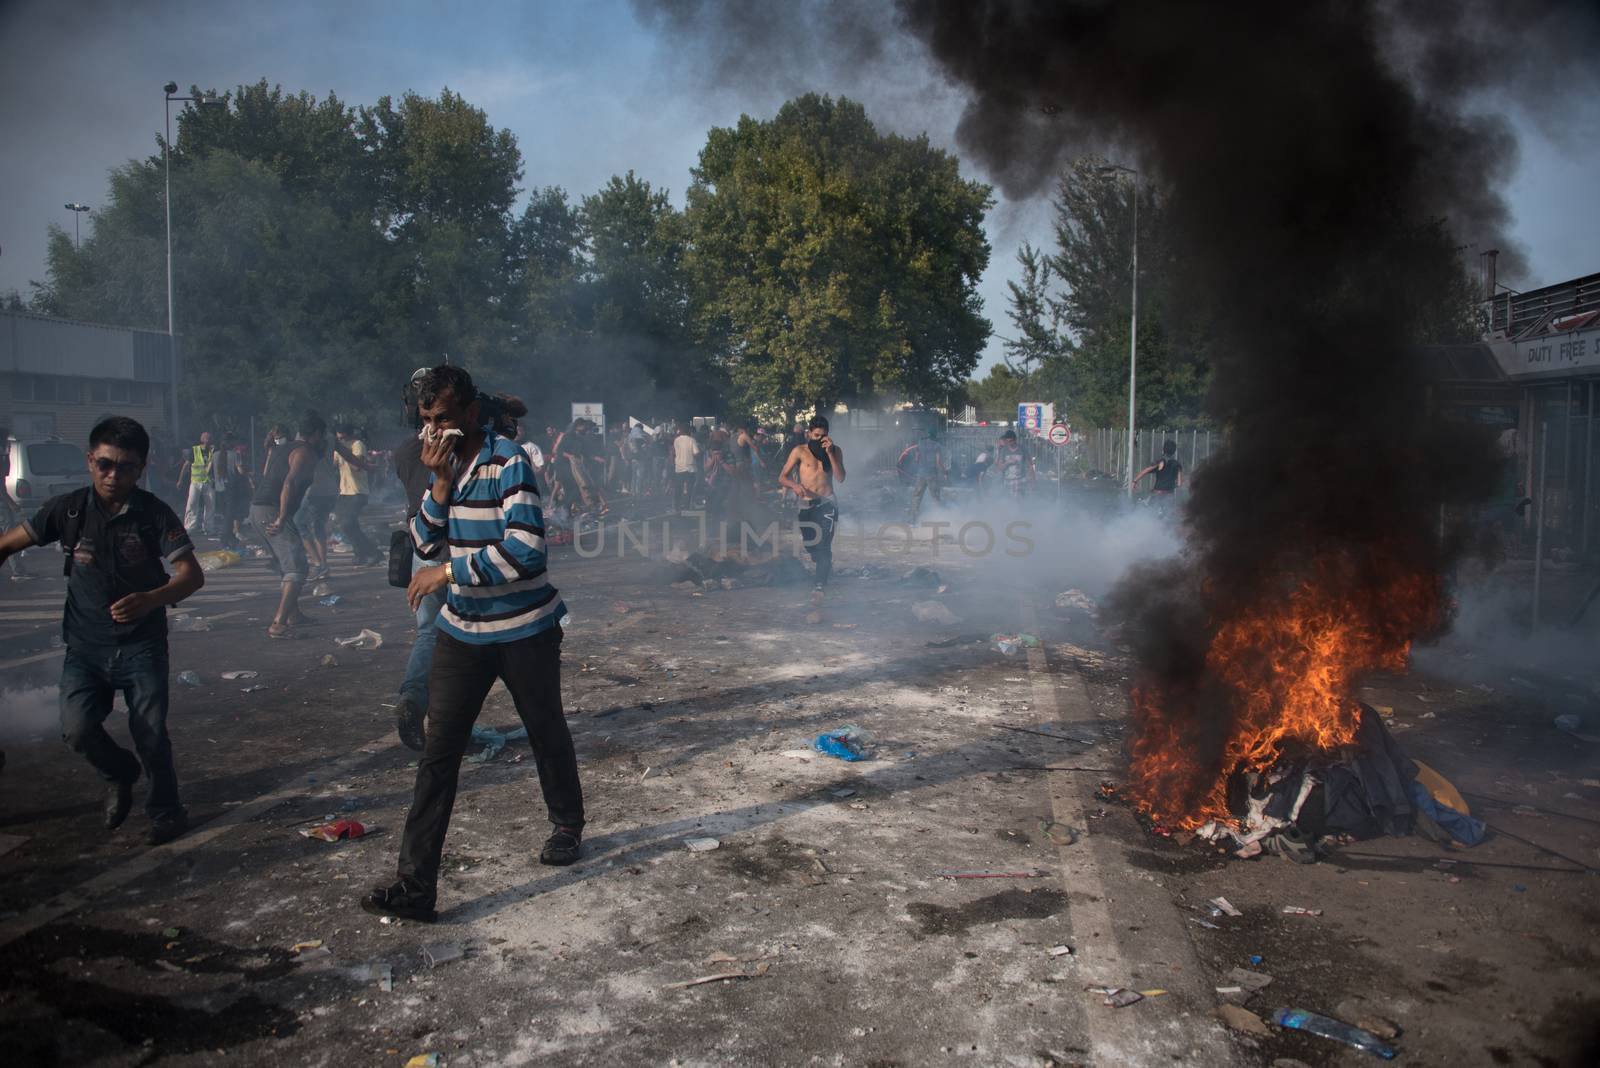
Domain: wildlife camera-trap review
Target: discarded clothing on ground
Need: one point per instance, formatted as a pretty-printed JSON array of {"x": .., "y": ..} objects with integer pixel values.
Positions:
[
  {"x": 1367, "y": 789},
  {"x": 731, "y": 572},
  {"x": 494, "y": 741}
]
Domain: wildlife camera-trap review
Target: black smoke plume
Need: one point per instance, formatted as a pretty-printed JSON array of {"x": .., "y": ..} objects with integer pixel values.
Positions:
[{"x": 1306, "y": 150}]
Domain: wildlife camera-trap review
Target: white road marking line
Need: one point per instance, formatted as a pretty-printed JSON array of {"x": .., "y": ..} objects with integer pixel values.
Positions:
[
  {"x": 34, "y": 658},
  {"x": 1116, "y": 1036},
  {"x": 87, "y": 892},
  {"x": 24, "y": 661}
]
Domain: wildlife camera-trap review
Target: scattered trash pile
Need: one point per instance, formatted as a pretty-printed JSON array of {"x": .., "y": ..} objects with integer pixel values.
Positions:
[
  {"x": 1012, "y": 644},
  {"x": 847, "y": 743},
  {"x": 558, "y": 525},
  {"x": 1313, "y": 800},
  {"x": 1075, "y": 602},
  {"x": 731, "y": 571}
]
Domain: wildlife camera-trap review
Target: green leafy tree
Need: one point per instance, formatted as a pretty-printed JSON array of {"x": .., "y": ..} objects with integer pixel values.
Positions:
[
  {"x": 832, "y": 262},
  {"x": 319, "y": 253},
  {"x": 1071, "y": 309}
]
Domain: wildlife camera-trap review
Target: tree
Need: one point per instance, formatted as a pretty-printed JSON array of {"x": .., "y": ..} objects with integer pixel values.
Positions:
[
  {"x": 831, "y": 262},
  {"x": 1035, "y": 313},
  {"x": 997, "y": 395},
  {"x": 319, "y": 253},
  {"x": 1071, "y": 309}
]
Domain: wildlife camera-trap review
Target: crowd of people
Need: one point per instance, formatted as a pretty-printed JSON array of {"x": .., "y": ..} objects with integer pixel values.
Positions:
[{"x": 583, "y": 468}]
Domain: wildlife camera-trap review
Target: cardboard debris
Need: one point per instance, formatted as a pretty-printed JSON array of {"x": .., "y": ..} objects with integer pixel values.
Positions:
[{"x": 1223, "y": 905}]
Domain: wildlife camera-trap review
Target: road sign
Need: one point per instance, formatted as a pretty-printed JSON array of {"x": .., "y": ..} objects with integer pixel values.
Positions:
[
  {"x": 1035, "y": 416},
  {"x": 1059, "y": 435},
  {"x": 595, "y": 413}
]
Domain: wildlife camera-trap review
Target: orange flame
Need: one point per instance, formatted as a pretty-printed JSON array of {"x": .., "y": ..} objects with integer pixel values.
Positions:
[{"x": 1278, "y": 673}]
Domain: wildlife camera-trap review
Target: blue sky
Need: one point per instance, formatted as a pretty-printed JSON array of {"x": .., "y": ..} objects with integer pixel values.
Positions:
[{"x": 588, "y": 89}]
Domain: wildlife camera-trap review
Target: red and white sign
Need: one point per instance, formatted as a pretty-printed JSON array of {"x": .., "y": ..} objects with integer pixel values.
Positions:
[{"x": 1060, "y": 435}]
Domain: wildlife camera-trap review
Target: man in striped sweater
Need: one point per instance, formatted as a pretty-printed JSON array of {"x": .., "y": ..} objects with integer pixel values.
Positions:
[{"x": 499, "y": 621}]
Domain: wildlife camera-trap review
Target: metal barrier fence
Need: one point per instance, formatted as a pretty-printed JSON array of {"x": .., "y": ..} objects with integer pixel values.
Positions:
[{"x": 1096, "y": 449}]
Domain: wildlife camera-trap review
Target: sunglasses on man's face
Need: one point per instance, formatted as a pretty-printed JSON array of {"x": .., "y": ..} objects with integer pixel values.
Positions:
[{"x": 105, "y": 466}]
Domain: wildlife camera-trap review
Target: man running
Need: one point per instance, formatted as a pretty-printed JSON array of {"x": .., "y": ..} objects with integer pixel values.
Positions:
[
  {"x": 290, "y": 471},
  {"x": 116, "y": 537},
  {"x": 1169, "y": 476},
  {"x": 923, "y": 463},
  {"x": 350, "y": 457},
  {"x": 819, "y": 462},
  {"x": 500, "y": 622}
]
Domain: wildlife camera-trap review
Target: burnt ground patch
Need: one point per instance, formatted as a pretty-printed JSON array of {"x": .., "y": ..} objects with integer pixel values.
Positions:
[
  {"x": 46, "y": 987},
  {"x": 1015, "y": 904}
]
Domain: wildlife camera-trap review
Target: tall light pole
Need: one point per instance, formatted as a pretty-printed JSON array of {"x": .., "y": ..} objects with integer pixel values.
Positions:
[
  {"x": 1133, "y": 327},
  {"x": 77, "y": 210},
  {"x": 166, "y": 160}
]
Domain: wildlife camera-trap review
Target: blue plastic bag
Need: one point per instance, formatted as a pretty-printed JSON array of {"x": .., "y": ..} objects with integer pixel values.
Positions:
[{"x": 846, "y": 743}]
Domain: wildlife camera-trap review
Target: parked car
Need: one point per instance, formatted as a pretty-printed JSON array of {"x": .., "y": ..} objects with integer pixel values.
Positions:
[{"x": 43, "y": 468}]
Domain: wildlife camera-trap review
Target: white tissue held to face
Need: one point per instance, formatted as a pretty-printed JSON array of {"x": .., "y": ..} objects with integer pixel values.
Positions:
[{"x": 429, "y": 435}]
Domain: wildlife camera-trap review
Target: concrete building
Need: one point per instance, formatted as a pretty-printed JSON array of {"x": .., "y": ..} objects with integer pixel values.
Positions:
[{"x": 58, "y": 377}]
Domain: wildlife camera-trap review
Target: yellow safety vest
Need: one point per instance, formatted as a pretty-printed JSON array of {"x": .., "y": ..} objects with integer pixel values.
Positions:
[{"x": 200, "y": 468}]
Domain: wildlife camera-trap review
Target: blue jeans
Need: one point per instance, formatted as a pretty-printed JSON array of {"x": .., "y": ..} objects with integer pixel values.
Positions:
[
  {"x": 415, "y": 686},
  {"x": 90, "y": 679}
]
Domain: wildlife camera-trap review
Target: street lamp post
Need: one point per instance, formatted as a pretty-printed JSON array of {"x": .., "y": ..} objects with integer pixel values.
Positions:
[
  {"x": 77, "y": 210},
  {"x": 1133, "y": 328},
  {"x": 203, "y": 100}
]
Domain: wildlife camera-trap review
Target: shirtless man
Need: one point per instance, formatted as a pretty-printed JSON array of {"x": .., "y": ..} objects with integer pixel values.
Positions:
[{"x": 819, "y": 462}]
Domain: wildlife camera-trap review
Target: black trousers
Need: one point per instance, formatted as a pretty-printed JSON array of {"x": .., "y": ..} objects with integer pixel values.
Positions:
[
  {"x": 461, "y": 677},
  {"x": 817, "y": 521},
  {"x": 347, "y": 513}
]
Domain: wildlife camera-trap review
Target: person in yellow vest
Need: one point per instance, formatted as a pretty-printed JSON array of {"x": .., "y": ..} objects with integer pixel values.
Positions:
[{"x": 200, "y": 514}]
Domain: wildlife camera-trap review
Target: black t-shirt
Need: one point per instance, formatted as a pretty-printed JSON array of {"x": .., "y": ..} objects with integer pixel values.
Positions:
[
  {"x": 1167, "y": 469},
  {"x": 115, "y": 556}
]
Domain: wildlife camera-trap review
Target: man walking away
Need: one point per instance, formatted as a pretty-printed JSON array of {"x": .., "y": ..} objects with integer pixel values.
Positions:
[
  {"x": 312, "y": 519},
  {"x": 685, "y": 453},
  {"x": 200, "y": 513},
  {"x": 924, "y": 464},
  {"x": 412, "y": 709},
  {"x": 233, "y": 490},
  {"x": 500, "y": 622},
  {"x": 350, "y": 455},
  {"x": 115, "y": 538},
  {"x": 819, "y": 462},
  {"x": 278, "y": 495}
]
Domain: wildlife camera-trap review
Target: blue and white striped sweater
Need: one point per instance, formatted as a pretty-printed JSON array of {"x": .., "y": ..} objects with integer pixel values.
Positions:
[{"x": 498, "y": 591}]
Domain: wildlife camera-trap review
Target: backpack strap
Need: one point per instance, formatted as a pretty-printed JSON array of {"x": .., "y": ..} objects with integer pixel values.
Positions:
[{"x": 72, "y": 525}]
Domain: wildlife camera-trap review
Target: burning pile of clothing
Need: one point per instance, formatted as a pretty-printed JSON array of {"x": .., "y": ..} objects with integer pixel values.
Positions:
[{"x": 1309, "y": 801}]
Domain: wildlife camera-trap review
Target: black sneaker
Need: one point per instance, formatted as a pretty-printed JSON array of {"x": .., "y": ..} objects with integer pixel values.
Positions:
[
  {"x": 408, "y": 722},
  {"x": 119, "y": 800},
  {"x": 563, "y": 847},
  {"x": 401, "y": 901},
  {"x": 167, "y": 826}
]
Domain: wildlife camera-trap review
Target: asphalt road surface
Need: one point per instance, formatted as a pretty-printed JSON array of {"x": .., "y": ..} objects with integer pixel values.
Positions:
[{"x": 827, "y": 907}]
